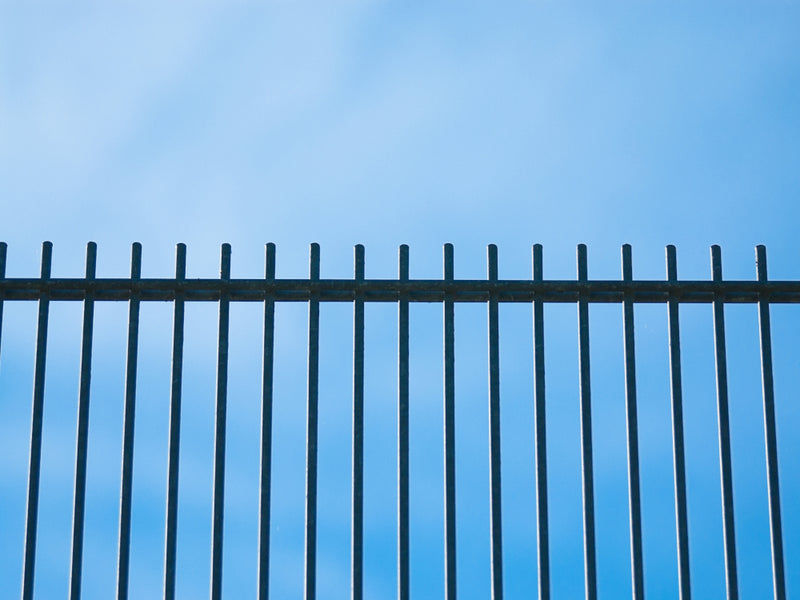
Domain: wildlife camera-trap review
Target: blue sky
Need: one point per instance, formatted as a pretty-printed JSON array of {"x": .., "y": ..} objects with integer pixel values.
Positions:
[{"x": 389, "y": 123}]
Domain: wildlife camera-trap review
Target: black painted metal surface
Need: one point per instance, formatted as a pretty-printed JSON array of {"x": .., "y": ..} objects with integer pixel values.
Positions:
[{"x": 448, "y": 291}]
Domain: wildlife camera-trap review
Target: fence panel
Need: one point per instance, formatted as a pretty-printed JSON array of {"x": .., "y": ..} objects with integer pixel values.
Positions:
[{"x": 403, "y": 292}]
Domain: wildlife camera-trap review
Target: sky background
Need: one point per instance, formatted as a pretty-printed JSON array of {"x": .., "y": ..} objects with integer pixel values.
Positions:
[{"x": 386, "y": 123}]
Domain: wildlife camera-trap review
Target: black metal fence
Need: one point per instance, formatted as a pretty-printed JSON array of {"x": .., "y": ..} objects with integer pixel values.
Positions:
[{"x": 402, "y": 291}]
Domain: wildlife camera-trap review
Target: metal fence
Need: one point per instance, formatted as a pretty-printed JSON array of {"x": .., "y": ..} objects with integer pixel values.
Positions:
[{"x": 402, "y": 291}]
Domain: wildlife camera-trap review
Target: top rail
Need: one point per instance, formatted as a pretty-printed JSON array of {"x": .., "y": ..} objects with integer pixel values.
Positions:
[
  {"x": 391, "y": 290},
  {"x": 395, "y": 290}
]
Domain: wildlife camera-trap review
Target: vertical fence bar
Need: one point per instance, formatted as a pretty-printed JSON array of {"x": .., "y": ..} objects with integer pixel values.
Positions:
[
  {"x": 37, "y": 410},
  {"x": 218, "y": 508},
  {"x": 540, "y": 431},
  {"x": 311, "y": 428},
  {"x": 678, "y": 458},
  {"x": 82, "y": 435},
  {"x": 402, "y": 434},
  {"x": 128, "y": 422},
  {"x": 174, "y": 443},
  {"x": 723, "y": 420},
  {"x": 449, "y": 432},
  {"x": 770, "y": 434},
  {"x": 266, "y": 428},
  {"x": 590, "y": 560},
  {"x": 357, "y": 522},
  {"x": 3, "y": 254},
  {"x": 495, "y": 507},
  {"x": 634, "y": 501}
]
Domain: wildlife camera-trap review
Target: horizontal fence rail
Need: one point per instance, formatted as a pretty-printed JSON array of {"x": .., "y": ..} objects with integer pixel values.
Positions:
[
  {"x": 314, "y": 290},
  {"x": 420, "y": 290}
]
